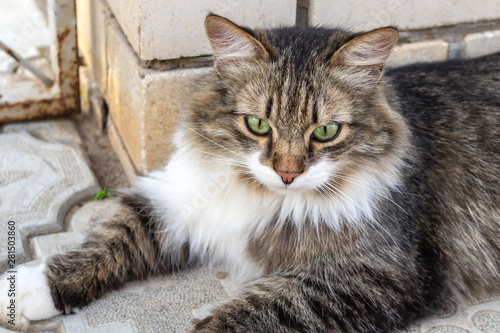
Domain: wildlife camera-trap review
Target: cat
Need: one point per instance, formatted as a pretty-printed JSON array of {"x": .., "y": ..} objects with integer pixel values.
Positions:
[{"x": 341, "y": 196}]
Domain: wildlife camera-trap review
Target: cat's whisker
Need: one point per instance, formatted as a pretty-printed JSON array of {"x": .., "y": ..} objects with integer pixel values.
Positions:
[
  {"x": 335, "y": 194},
  {"x": 396, "y": 190},
  {"x": 222, "y": 158},
  {"x": 339, "y": 190},
  {"x": 393, "y": 219},
  {"x": 372, "y": 207},
  {"x": 371, "y": 189},
  {"x": 254, "y": 183},
  {"x": 336, "y": 191},
  {"x": 320, "y": 194},
  {"x": 328, "y": 194},
  {"x": 372, "y": 219},
  {"x": 210, "y": 140},
  {"x": 245, "y": 170},
  {"x": 350, "y": 177},
  {"x": 373, "y": 223},
  {"x": 355, "y": 182}
]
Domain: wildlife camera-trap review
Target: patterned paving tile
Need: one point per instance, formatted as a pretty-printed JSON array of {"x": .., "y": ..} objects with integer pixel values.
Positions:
[{"x": 43, "y": 173}]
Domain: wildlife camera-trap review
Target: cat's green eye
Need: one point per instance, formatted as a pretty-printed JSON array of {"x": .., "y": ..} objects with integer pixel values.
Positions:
[
  {"x": 327, "y": 132},
  {"x": 257, "y": 125}
]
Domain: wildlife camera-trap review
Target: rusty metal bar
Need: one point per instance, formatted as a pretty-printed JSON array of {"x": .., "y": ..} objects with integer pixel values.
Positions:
[
  {"x": 48, "y": 82},
  {"x": 63, "y": 98}
]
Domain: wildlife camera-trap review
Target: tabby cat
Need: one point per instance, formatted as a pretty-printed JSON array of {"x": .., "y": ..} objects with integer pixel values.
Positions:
[{"x": 341, "y": 198}]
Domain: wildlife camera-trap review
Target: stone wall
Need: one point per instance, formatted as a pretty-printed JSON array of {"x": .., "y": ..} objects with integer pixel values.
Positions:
[{"x": 142, "y": 56}]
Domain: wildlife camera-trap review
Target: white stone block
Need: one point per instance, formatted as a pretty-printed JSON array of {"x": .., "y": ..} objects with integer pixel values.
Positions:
[
  {"x": 482, "y": 43},
  {"x": 425, "y": 51},
  {"x": 169, "y": 29},
  {"x": 364, "y": 15},
  {"x": 144, "y": 103}
]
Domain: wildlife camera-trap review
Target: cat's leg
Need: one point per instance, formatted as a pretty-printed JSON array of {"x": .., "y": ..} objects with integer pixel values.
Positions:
[
  {"x": 302, "y": 303},
  {"x": 128, "y": 246}
]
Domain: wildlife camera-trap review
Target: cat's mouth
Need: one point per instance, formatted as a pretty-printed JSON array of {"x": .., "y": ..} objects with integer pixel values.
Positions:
[
  {"x": 286, "y": 181},
  {"x": 303, "y": 182}
]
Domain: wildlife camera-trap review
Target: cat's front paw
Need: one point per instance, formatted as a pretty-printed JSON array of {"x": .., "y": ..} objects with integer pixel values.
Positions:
[{"x": 25, "y": 296}]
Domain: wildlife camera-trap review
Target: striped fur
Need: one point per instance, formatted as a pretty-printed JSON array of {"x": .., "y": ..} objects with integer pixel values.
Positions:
[{"x": 123, "y": 248}]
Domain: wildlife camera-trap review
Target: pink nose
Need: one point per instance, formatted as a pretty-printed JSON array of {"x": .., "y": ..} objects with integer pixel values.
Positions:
[{"x": 287, "y": 177}]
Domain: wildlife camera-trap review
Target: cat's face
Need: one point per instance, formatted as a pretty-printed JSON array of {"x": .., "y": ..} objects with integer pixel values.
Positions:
[
  {"x": 294, "y": 134},
  {"x": 300, "y": 120}
]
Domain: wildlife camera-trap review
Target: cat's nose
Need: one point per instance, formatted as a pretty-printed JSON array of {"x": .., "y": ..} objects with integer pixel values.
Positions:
[{"x": 288, "y": 177}]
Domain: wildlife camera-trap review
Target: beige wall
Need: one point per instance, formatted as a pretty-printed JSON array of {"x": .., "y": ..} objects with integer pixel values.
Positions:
[{"x": 169, "y": 29}]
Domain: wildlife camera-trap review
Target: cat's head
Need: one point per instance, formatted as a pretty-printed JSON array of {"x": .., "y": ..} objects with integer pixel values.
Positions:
[{"x": 299, "y": 109}]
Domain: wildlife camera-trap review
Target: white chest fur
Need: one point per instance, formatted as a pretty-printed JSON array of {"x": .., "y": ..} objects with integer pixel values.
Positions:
[{"x": 203, "y": 203}]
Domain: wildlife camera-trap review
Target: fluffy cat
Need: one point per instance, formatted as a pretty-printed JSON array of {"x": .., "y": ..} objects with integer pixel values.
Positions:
[{"x": 342, "y": 198}]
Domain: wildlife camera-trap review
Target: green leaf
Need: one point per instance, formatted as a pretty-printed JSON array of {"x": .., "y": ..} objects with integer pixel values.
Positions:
[{"x": 103, "y": 194}]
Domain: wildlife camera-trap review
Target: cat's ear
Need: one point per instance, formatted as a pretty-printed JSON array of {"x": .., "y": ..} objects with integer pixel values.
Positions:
[
  {"x": 231, "y": 44},
  {"x": 368, "y": 52}
]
